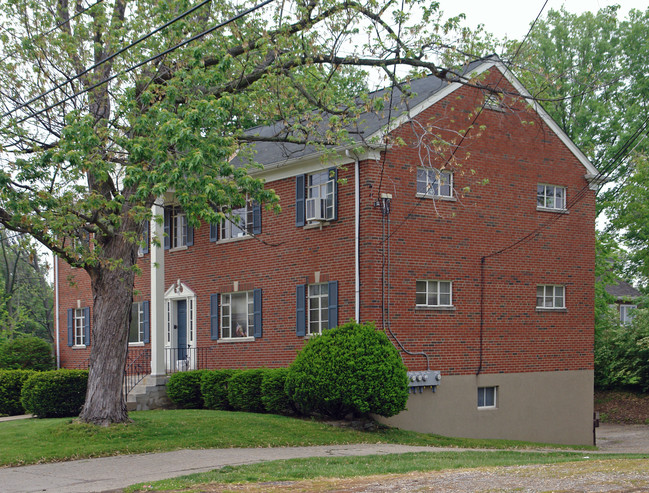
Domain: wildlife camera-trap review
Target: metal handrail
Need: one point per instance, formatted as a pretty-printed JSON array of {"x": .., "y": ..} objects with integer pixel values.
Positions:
[{"x": 136, "y": 371}]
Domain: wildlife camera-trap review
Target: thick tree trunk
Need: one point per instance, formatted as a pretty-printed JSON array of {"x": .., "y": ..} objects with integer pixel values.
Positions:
[{"x": 112, "y": 289}]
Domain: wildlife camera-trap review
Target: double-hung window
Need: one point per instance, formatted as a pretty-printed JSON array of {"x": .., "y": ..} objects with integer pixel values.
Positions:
[
  {"x": 318, "y": 300},
  {"x": 550, "y": 296},
  {"x": 317, "y": 307},
  {"x": 139, "y": 328},
  {"x": 433, "y": 182},
  {"x": 434, "y": 294},
  {"x": 626, "y": 313},
  {"x": 236, "y": 314},
  {"x": 239, "y": 223},
  {"x": 316, "y": 197},
  {"x": 79, "y": 326},
  {"x": 178, "y": 233},
  {"x": 550, "y": 197}
]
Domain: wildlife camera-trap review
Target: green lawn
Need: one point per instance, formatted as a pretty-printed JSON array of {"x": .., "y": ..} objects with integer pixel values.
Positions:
[
  {"x": 348, "y": 467},
  {"x": 43, "y": 440}
]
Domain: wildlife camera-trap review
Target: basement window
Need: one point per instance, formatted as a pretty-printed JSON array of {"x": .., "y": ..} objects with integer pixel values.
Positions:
[{"x": 487, "y": 397}]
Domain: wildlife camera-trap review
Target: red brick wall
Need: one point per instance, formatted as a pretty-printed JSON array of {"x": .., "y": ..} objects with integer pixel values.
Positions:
[{"x": 430, "y": 240}]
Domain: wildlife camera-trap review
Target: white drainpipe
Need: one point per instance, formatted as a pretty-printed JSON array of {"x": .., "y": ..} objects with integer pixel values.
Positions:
[
  {"x": 56, "y": 310},
  {"x": 357, "y": 213}
]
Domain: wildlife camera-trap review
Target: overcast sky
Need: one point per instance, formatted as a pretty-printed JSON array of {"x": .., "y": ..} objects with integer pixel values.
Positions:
[{"x": 513, "y": 18}]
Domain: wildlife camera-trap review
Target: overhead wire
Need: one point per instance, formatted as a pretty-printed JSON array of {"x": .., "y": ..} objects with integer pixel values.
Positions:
[
  {"x": 60, "y": 24},
  {"x": 143, "y": 62}
]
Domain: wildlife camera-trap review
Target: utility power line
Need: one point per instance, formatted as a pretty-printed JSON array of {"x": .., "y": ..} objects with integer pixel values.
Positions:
[{"x": 148, "y": 60}]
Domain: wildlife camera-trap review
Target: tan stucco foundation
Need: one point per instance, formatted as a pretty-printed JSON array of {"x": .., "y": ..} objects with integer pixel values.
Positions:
[{"x": 551, "y": 407}]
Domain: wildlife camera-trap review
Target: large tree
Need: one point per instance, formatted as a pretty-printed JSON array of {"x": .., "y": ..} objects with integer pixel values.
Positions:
[
  {"x": 589, "y": 72},
  {"x": 26, "y": 300},
  {"x": 93, "y": 130}
]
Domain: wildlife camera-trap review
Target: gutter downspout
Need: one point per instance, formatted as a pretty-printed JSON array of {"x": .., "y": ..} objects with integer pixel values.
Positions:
[
  {"x": 56, "y": 310},
  {"x": 357, "y": 226}
]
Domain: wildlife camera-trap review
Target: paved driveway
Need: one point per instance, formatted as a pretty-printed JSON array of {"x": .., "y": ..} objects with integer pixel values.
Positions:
[{"x": 110, "y": 473}]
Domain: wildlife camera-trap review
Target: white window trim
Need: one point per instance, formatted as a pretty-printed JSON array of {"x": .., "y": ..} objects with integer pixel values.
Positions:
[
  {"x": 551, "y": 308},
  {"x": 624, "y": 312},
  {"x": 426, "y": 306},
  {"x": 438, "y": 178},
  {"x": 495, "y": 404},
  {"x": 79, "y": 318},
  {"x": 140, "y": 323},
  {"x": 326, "y": 190},
  {"x": 227, "y": 224},
  {"x": 249, "y": 316},
  {"x": 324, "y": 308},
  {"x": 544, "y": 208}
]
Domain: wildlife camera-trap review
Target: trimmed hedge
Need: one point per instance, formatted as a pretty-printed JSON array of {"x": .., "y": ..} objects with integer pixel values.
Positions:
[
  {"x": 55, "y": 394},
  {"x": 214, "y": 387},
  {"x": 273, "y": 393},
  {"x": 26, "y": 353},
  {"x": 11, "y": 385},
  {"x": 350, "y": 369},
  {"x": 184, "y": 389},
  {"x": 244, "y": 390}
]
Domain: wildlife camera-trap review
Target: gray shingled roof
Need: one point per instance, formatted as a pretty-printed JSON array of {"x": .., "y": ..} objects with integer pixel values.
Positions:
[
  {"x": 272, "y": 153},
  {"x": 622, "y": 290}
]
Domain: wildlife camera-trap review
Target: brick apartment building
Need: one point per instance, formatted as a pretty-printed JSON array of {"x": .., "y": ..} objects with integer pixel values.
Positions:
[{"x": 481, "y": 269}]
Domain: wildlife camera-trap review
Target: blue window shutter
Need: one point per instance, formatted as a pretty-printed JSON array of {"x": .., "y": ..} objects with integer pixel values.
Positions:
[
  {"x": 256, "y": 303},
  {"x": 299, "y": 200},
  {"x": 190, "y": 233},
  {"x": 86, "y": 326},
  {"x": 256, "y": 218},
  {"x": 333, "y": 174},
  {"x": 333, "y": 304},
  {"x": 70, "y": 327},
  {"x": 147, "y": 330},
  {"x": 145, "y": 238},
  {"x": 300, "y": 314},
  {"x": 214, "y": 316},
  {"x": 167, "y": 229}
]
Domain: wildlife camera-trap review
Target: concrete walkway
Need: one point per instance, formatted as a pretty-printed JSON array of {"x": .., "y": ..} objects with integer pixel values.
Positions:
[{"x": 112, "y": 473}]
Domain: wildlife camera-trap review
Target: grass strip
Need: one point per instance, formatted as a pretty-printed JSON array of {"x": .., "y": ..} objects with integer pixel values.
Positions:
[
  {"x": 357, "y": 466},
  {"x": 48, "y": 440}
]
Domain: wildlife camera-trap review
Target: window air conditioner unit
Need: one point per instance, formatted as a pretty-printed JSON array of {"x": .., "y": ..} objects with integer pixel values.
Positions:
[{"x": 314, "y": 209}]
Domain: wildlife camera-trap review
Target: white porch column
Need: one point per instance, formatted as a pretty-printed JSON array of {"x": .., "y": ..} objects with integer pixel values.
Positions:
[{"x": 157, "y": 292}]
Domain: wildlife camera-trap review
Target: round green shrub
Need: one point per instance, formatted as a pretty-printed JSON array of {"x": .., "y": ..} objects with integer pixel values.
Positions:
[
  {"x": 244, "y": 390},
  {"x": 184, "y": 389},
  {"x": 11, "y": 385},
  {"x": 273, "y": 392},
  {"x": 351, "y": 369},
  {"x": 55, "y": 394},
  {"x": 26, "y": 353},
  {"x": 214, "y": 388}
]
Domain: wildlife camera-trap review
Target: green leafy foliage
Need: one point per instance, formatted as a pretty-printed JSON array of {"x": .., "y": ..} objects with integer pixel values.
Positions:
[
  {"x": 622, "y": 354},
  {"x": 273, "y": 391},
  {"x": 83, "y": 179},
  {"x": 55, "y": 394},
  {"x": 184, "y": 389},
  {"x": 214, "y": 388},
  {"x": 11, "y": 385},
  {"x": 244, "y": 390},
  {"x": 26, "y": 353},
  {"x": 349, "y": 369}
]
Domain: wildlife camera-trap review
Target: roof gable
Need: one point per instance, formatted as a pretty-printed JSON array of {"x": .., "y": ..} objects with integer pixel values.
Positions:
[{"x": 371, "y": 127}]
